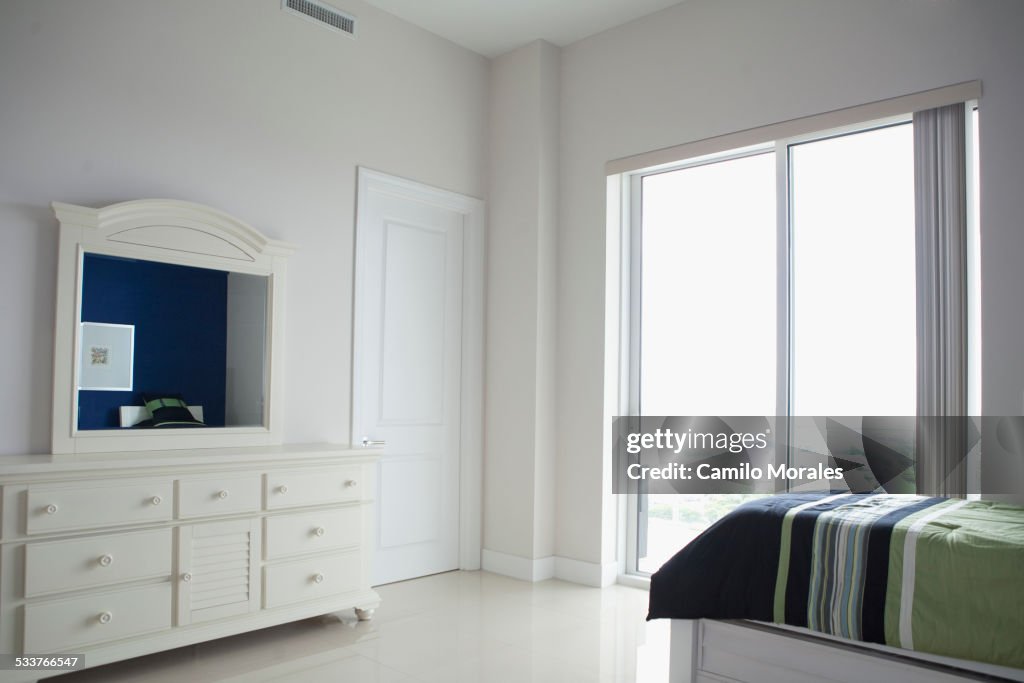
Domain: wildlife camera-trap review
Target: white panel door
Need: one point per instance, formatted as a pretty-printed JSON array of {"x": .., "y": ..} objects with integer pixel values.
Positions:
[{"x": 408, "y": 374}]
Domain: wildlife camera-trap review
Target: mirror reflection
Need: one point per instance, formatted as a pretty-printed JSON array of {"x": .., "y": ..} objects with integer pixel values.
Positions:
[{"x": 170, "y": 346}]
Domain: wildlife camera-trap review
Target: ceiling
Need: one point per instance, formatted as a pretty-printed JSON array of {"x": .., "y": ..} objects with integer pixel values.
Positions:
[{"x": 493, "y": 27}]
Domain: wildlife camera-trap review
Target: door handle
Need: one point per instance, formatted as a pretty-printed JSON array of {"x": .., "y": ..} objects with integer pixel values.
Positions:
[{"x": 368, "y": 442}]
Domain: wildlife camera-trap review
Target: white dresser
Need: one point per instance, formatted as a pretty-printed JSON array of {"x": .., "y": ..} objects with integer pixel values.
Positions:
[{"x": 118, "y": 555}]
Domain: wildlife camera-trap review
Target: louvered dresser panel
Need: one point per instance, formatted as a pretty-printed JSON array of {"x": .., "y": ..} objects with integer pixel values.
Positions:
[{"x": 218, "y": 570}]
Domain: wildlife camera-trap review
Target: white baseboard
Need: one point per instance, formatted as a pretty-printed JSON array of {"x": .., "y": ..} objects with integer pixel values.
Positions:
[
  {"x": 564, "y": 568},
  {"x": 522, "y": 568},
  {"x": 586, "y": 573},
  {"x": 634, "y": 581}
]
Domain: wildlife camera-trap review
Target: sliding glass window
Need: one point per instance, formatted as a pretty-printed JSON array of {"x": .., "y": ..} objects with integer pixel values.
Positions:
[
  {"x": 740, "y": 308},
  {"x": 707, "y": 317}
]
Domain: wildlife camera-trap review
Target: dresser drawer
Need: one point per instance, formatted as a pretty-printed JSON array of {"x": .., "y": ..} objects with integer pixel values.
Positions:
[
  {"x": 64, "y": 625},
  {"x": 309, "y": 579},
  {"x": 218, "y": 495},
  {"x": 89, "y": 505},
  {"x": 311, "y": 532},
  {"x": 294, "y": 489},
  {"x": 58, "y": 566}
]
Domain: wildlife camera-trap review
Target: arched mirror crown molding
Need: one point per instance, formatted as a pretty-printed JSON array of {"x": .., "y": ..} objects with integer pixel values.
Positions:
[{"x": 173, "y": 225}]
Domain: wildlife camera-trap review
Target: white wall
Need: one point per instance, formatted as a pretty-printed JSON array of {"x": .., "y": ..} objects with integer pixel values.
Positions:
[
  {"x": 519, "y": 466},
  {"x": 234, "y": 104},
  {"x": 707, "y": 67}
]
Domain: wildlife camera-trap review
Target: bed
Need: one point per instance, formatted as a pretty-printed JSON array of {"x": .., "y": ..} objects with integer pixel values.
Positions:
[{"x": 921, "y": 586}]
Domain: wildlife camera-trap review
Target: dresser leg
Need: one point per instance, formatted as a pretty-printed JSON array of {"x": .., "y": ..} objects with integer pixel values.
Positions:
[{"x": 364, "y": 614}]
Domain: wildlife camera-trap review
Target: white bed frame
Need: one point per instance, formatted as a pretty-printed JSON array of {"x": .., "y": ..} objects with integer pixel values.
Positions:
[{"x": 710, "y": 651}]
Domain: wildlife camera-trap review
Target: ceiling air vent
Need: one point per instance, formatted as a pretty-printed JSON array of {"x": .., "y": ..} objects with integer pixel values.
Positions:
[{"x": 323, "y": 14}]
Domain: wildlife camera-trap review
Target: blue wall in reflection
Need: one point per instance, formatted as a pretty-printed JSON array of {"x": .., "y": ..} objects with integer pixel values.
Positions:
[{"x": 180, "y": 318}]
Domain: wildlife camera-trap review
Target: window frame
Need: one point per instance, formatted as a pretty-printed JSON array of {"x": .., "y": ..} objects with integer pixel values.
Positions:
[{"x": 630, "y": 200}]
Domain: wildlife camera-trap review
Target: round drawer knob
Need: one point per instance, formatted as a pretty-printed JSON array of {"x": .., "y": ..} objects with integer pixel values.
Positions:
[
  {"x": 106, "y": 560},
  {"x": 223, "y": 494},
  {"x": 319, "y": 578},
  {"x": 51, "y": 509},
  {"x": 105, "y": 617},
  {"x": 282, "y": 489},
  {"x": 156, "y": 500},
  {"x": 320, "y": 531},
  {"x": 186, "y": 577},
  {"x": 351, "y": 483}
]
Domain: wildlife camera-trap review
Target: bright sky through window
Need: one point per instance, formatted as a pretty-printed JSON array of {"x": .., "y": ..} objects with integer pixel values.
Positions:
[
  {"x": 854, "y": 306},
  {"x": 709, "y": 290}
]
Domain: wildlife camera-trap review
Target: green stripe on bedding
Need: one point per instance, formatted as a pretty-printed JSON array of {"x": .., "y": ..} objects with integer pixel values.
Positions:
[
  {"x": 894, "y": 589},
  {"x": 965, "y": 597}
]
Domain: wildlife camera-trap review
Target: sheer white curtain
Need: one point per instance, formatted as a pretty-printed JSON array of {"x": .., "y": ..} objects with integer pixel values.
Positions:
[{"x": 940, "y": 190}]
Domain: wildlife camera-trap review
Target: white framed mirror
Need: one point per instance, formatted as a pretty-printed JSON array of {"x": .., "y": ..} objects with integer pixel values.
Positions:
[{"x": 169, "y": 329}]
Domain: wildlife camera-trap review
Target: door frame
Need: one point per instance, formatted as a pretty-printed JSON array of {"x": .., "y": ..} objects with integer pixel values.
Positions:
[{"x": 471, "y": 394}]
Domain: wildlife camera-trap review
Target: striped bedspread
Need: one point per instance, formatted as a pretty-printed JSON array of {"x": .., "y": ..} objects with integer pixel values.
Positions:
[{"x": 931, "y": 574}]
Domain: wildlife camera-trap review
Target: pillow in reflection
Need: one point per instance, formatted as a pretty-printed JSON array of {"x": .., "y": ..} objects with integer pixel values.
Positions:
[{"x": 168, "y": 410}]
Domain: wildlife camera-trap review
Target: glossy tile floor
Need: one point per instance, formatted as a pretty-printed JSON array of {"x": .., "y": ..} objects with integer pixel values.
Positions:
[{"x": 459, "y": 626}]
